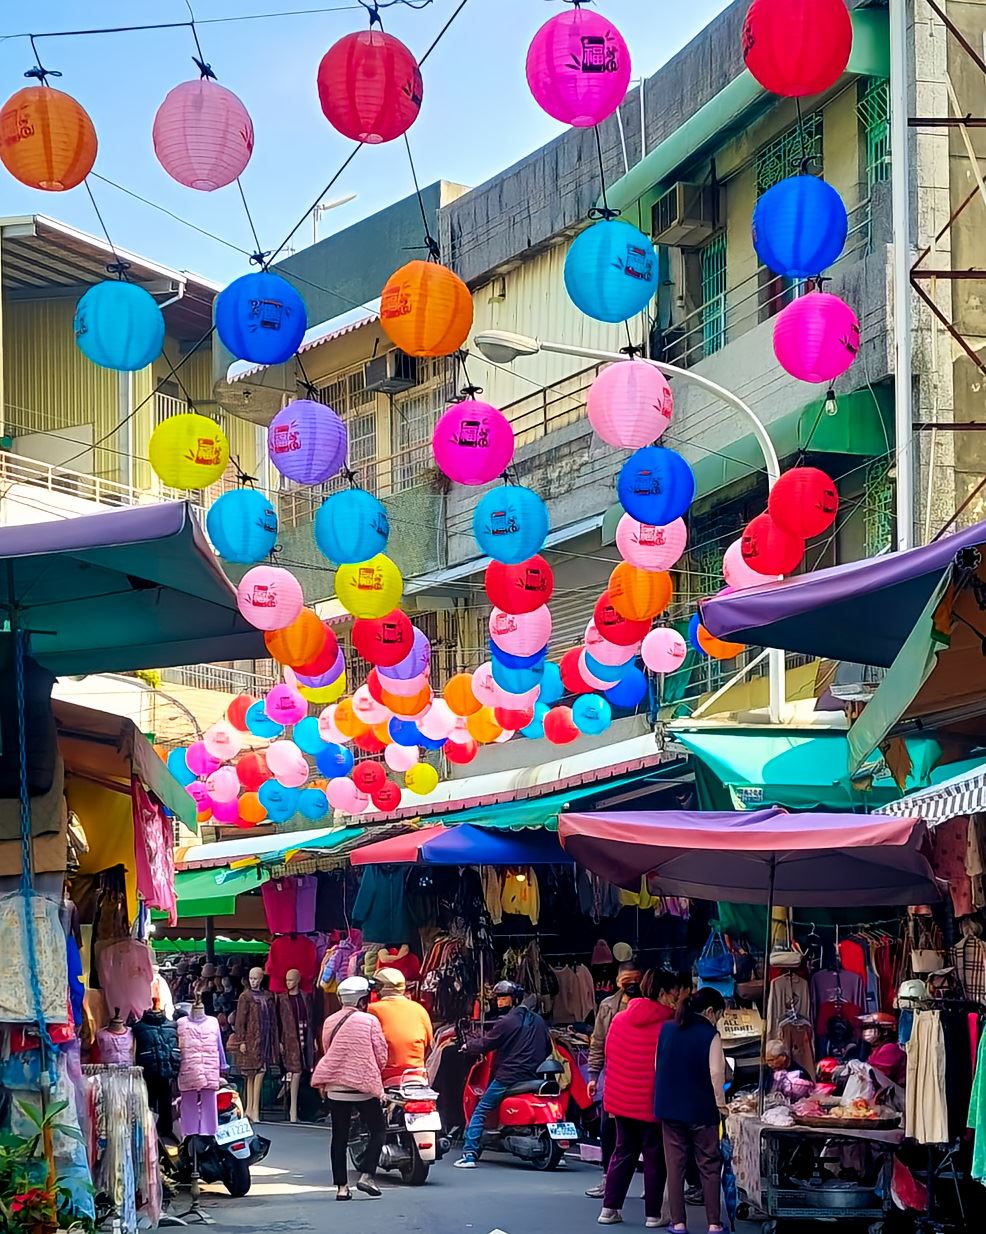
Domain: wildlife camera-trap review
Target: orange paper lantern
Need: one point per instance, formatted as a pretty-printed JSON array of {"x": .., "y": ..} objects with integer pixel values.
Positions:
[
  {"x": 483, "y": 727},
  {"x": 382, "y": 732},
  {"x": 297, "y": 643},
  {"x": 639, "y": 594},
  {"x": 717, "y": 648},
  {"x": 251, "y": 811},
  {"x": 412, "y": 706},
  {"x": 47, "y": 140},
  {"x": 425, "y": 309},
  {"x": 347, "y": 721},
  {"x": 459, "y": 696}
]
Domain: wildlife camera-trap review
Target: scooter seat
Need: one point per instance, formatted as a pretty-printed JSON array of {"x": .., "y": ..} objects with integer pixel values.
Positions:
[{"x": 524, "y": 1086}]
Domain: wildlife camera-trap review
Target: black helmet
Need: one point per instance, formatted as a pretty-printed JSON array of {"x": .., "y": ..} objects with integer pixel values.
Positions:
[{"x": 504, "y": 990}]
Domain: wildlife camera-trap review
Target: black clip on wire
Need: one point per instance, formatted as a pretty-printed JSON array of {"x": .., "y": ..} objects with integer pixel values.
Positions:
[
  {"x": 603, "y": 212},
  {"x": 434, "y": 251},
  {"x": 205, "y": 70},
  {"x": 41, "y": 73},
  {"x": 373, "y": 12},
  {"x": 632, "y": 350},
  {"x": 467, "y": 392},
  {"x": 260, "y": 259},
  {"x": 119, "y": 268}
]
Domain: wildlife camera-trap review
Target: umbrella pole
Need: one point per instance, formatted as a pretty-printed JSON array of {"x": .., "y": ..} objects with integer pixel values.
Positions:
[{"x": 768, "y": 944}]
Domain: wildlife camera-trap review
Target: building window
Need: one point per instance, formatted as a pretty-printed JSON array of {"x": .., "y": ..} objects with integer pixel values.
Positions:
[
  {"x": 878, "y": 509},
  {"x": 776, "y": 291},
  {"x": 413, "y": 418},
  {"x": 785, "y": 154},
  {"x": 874, "y": 119},
  {"x": 714, "y": 294},
  {"x": 349, "y": 398}
]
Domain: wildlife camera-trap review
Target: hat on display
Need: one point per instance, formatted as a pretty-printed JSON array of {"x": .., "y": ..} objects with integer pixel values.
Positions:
[
  {"x": 622, "y": 952},
  {"x": 913, "y": 991},
  {"x": 602, "y": 953}
]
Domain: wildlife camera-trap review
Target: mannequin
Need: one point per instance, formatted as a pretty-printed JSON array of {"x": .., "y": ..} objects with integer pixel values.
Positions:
[
  {"x": 161, "y": 996},
  {"x": 294, "y": 1031},
  {"x": 157, "y": 1054},
  {"x": 202, "y": 1062},
  {"x": 116, "y": 1043},
  {"x": 255, "y": 1028}
]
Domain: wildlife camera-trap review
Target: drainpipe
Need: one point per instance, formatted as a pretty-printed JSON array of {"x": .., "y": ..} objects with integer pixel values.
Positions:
[{"x": 901, "y": 187}]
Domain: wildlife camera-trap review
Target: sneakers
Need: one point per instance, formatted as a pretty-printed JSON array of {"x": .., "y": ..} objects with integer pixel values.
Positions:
[
  {"x": 597, "y": 1192},
  {"x": 610, "y": 1216},
  {"x": 655, "y": 1223},
  {"x": 466, "y": 1163}
]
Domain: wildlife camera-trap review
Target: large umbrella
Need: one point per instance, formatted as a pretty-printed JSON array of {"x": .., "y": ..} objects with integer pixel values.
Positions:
[{"x": 464, "y": 845}]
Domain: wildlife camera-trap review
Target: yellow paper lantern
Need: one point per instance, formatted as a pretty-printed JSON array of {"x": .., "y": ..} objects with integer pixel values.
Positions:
[
  {"x": 188, "y": 451},
  {"x": 323, "y": 695},
  {"x": 369, "y": 588},
  {"x": 422, "y": 779},
  {"x": 426, "y": 309}
]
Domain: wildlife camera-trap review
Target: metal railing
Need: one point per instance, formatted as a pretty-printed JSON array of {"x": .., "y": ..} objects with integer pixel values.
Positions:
[{"x": 218, "y": 677}]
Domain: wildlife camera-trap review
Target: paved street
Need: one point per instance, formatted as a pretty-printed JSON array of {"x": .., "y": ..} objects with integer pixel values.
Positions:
[{"x": 292, "y": 1188}]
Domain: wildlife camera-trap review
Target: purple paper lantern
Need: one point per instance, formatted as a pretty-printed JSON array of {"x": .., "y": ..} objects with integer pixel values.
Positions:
[
  {"x": 307, "y": 442},
  {"x": 203, "y": 135},
  {"x": 578, "y": 67},
  {"x": 413, "y": 665},
  {"x": 816, "y": 337}
]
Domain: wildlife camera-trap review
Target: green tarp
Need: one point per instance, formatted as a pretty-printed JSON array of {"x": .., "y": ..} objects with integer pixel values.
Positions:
[
  {"x": 221, "y": 946},
  {"x": 212, "y": 893}
]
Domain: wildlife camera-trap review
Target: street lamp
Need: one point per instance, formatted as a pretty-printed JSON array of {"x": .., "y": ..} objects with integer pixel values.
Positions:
[
  {"x": 324, "y": 207},
  {"x": 502, "y": 347}
]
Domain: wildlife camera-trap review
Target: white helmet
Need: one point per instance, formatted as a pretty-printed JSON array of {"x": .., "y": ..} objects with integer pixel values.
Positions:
[
  {"x": 353, "y": 990},
  {"x": 912, "y": 991}
]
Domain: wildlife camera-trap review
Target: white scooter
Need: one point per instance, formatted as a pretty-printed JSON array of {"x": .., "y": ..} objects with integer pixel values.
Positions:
[{"x": 413, "y": 1138}]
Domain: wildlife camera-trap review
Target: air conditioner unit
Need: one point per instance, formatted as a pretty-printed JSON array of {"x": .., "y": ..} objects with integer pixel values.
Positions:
[
  {"x": 391, "y": 373},
  {"x": 687, "y": 214}
]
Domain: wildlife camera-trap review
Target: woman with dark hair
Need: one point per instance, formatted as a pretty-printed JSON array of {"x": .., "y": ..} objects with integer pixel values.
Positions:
[{"x": 689, "y": 1101}]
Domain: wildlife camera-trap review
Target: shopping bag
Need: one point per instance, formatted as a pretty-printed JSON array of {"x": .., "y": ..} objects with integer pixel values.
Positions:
[
  {"x": 730, "y": 1191},
  {"x": 716, "y": 961}
]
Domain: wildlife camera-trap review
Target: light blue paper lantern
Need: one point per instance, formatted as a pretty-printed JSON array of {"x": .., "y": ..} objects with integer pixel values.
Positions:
[
  {"x": 119, "y": 326},
  {"x": 516, "y": 680},
  {"x": 552, "y": 688},
  {"x": 629, "y": 692},
  {"x": 260, "y": 317},
  {"x": 281, "y": 803},
  {"x": 611, "y": 271},
  {"x": 242, "y": 525},
  {"x": 591, "y": 714},
  {"x": 307, "y": 737},
  {"x": 313, "y": 804},
  {"x": 351, "y": 526},
  {"x": 259, "y": 724},
  {"x": 510, "y": 523},
  {"x": 334, "y": 761},
  {"x": 655, "y": 486},
  {"x": 178, "y": 767},
  {"x": 535, "y": 730},
  {"x": 800, "y": 227},
  {"x": 611, "y": 673}
]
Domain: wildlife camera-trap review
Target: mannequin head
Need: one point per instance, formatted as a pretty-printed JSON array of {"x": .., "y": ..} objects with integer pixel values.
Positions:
[
  {"x": 198, "y": 1008},
  {"x": 292, "y": 979},
  {"x": 256, "y": 978}
]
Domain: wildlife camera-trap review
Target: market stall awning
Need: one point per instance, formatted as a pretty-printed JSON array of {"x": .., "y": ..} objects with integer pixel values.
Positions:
[
  {"x": 963, "y": 793},
  {"x": 862, "y": 611},
  {"x": 810, "y": 860},
  {"x": 129, "y": 589},
  {"x": 213, "y": 893},
  {"x": 462, "y": 846},
  {"x": 267, "y": 850},
  {"x": 220, "y": 946}
]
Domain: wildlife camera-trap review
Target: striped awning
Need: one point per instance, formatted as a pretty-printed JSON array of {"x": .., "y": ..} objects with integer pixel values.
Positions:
[{"x": 962, "y": 794}]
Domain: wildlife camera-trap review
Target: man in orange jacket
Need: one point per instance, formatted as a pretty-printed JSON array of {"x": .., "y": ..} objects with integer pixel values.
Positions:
[{"x": 405, "y": 1023}]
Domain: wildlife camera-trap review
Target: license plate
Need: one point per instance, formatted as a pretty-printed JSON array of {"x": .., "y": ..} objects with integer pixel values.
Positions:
[
  {"x": 423, "y": 1122},
  {"x": 238, "y": 1129},
  {"x": 563, "y": 1131}
]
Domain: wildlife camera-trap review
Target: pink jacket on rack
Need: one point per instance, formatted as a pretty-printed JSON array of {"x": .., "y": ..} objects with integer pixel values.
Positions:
[
  {"x": 357, "y": 1056},
  {"x": 203, "y": 1058}
]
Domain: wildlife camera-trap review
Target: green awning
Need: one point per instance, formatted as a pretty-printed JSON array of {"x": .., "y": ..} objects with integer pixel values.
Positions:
[
  {"x": 213, "y": 893},
  {"x": 221, "y": 946}
]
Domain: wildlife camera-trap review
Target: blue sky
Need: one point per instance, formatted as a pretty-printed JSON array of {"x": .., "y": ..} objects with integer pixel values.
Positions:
[{"x": 478, "y": 116}]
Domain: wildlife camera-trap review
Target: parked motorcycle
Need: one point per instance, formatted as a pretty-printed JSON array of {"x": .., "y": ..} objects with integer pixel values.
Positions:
[
  {"x": 413, "y": 1139},
  {"x": 227, "y": 1156},
  {"x": 530, "y": 1122}
]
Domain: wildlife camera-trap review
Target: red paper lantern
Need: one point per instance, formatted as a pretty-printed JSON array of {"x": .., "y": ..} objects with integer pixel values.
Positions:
[
  {"x": 614, "y": 627},
  {"x": 797, "y": 47},
  {"x": 387, "y": 797},
  {"x": 252, "y": 770},
  {"x": 559, "y": 727},
  {"x": 769, "y": 549},
  {"x": 369, "y": 743},
  {"x": 236, "y": 711},
  {"x": 384, "y": 641},
  {"x": 512, "y": 720},
  {"x": 368, "y": 776},
  {"x": 461, "y": 752},
  {"x": 571, "y": 673},
  {"x": 520, "y": 588},
  {"x": 370, "y": 87},
  {"x": 804, "y": 501}
]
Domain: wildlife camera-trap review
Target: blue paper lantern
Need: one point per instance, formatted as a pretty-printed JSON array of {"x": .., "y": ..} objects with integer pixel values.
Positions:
[
  {"x": 334, "y": 760},
  {"x": 611, "y": 271},
  {"x": 178, "y": 767},
  {"x": 609, "y": 672},
  {"x": 242, "y": 525},
  {"x": 655, "y": 486},
  {"x": 800, "y": 227},
  {"x": 258, "y": 722},
  {"x": 404, "y": 732},
  {"x": 591, "y": 714},
  {"x": 313, "y": 804},
  {"x": 552, "y": 688},
  {"x": 628, "y": 692},
  {"x": 430, "y": 743},
  {"x": 281, "y": 803},
  {"x": 535, "y": 730},
  {"x": 307, "y": 737},
  {"x": 696, "y": 646},
  {"x": 511, "y": 661},
  {"x": 119, "y": 326},
  {"x": 351, "y": 526},
  {"x": 510, "y": 523},
  {"x": 260, "y": 317},
  {"x": 516, "y": 680}
]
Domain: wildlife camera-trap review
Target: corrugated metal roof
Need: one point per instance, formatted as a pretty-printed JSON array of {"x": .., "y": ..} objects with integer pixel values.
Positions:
[{"x": 315, "y": 336}]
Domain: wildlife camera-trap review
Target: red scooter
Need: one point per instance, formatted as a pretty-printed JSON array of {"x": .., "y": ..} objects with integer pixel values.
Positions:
[{"x": 530, "y": 1122}]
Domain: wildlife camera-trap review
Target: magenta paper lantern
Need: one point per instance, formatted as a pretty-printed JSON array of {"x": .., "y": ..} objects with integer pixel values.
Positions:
[
  {"x": 651, "y": 547},
  {"x": 200, "y": 795},
  {"x": 473, "y": 443},
  {"x": 200, "y": 761},
  {"x": 521, "y": 634},
  {"x": 401, "y": 758},
  {"x": 415, "y": 663},
  {"x": 284, "y": 705},
  {"x": 345, "y": 796},
  {"x": 307, "y": 442},
  {"x": 203, "y": 135},
  {"x": 578, "y": 67},
  {"x": 604, "y": 651},
  {"x": 630, "y": 404},
  {"x": 222, "y": 740},
  {"x": 226, "y": 811},
  {"x": 816, "y": 337},
  {"x": 664, "y": 650},
  {"x": 223, "y": 784},
  {"x": 735, "y": 570},
  {"x": 269, "y": 597}
]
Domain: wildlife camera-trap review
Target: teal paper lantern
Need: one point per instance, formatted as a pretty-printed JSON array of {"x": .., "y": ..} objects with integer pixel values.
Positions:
[
  {"x": 280, "y": 802},
  {"x": 307, "y": 737},
  {"x": 259, "y": 724},
  {"x": 535, "y": 730},
  {"x": 592, "y": 715},
  {"x": 611, "y": 271},
  {"x": 800, "y": 227},
  {"x": 260, "y": 317},
  {"x": 313, "y": 804},
  {"x": 552, "y": 687},
  {"x": 178, "y": 767},
  {"x": 655, "y": 486},
  {"x": 351, "y": 526},
  {"x": 242, "y": 526},
  {"x": 510, "y": 523},
  {"x": 119, "y": 326}
]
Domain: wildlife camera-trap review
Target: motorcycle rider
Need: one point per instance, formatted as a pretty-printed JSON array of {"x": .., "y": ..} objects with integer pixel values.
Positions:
[
  {"x": 405, "y": 1023},
  {"x": 520, "y": 1042}
]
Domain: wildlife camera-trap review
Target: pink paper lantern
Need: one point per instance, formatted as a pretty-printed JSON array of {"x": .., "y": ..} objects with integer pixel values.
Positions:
[
  {"x": 439, "y": 721},
  {"x": 578, "y": 67},
  {"x": 203, "y": 135},
  {"x": 200, "y": 761},
  {"x": 484, "y": 688},
  {"x": 650, "y": 547},
  {"x": 603, "y": 650},
  {"x": 327, "y": 729},
  {"x": 521, "y": 634},
  {"x": 284, "y": 705},
  {"x": 401, "y": 758},
  {"x": 369, "y": 710},
  {"x": 222, "y": 740},
  {"x": 283, "y": 757},
  {"x": 630, "y": 404},
  {"x": 664, "y": 650},
  {"x": 816, "y": 337},
  {"x": 345, "y": 796},
  {"x": 223, "y": 785},
  {"x": 200, "y": 795},
  {"x": 403, "y": 689},
  {"x": 473, "y": 443},
  {"x": 460, "y": 734},
  {"x": 269, "y": 597},
  {"x": 296, "y": 776},
  {"x": 735, "y": 570},
  {"x": 226, "y": 811}
]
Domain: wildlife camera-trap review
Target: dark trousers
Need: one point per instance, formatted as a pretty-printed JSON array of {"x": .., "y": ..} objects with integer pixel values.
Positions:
[
  {"x": 371, "y": 1112},
  {"x": 679, "y": 1138},
  {"x": 159, "y": 1099},
  {"x": 632, "y": 1139},
  {"x": 607, "y": 1137}
]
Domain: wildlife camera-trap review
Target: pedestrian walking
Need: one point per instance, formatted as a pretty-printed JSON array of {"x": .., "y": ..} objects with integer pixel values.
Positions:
[
  {"x": 689, "y": 1101},
  {"x": 350, "y": 1076}
]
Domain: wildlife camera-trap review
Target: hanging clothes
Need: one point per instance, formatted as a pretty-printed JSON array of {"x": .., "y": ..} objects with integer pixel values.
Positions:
[
  {"x": 949, "y": 851},
  {"x": 380, "y": 909},
  {"x": 115, "y": 1049},
  {"x": 154, "y": 844},
  {"x": 289, "y": 951},
  {"x": 49, "y": 962},
  {"x": 280, "y": 904},
  {"x": 521, "y": 895},
  {"x": 977, "y": 1115},
  {"x": 788, "y": 992},
  {"x": 926, "y": 1102},
  {"x": 492, "y": 892}
]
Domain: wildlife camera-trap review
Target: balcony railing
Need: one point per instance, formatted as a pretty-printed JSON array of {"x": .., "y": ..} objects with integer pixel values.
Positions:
[{"x": 218, "y": 677}]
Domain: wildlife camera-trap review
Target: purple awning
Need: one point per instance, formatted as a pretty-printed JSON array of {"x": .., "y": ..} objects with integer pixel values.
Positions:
[{"x": 861, "y": 611}]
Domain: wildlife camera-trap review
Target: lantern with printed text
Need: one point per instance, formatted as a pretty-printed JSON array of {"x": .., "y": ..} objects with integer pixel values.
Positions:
[
  {"x": 655, "y": 485},
  {"x": 307, "y": 442},
  {"x": 797, "y": 47},
  {"x": 369, "y": 86},
  {"x": 343, "y": 795},
  {"x": 258, "y": 724},
  {"x": 606, "y": 652},
  {"x": 611, "y": 271},
  {"x": 591, "y": 715},
  {"x": 298, "y": 642},
  {"x": 284, "y": 705},
  {"x": 769, "y": 549},
  {"x": 614, "y": 626},
  {"x": 313, "y": 804},
  {"x": 510, "y": 523},
  {"x": 179, "y": 768},
  {"x": 800, "y": 227},
  {"x": 664, "y": 650},
  {"x": 334, "y": 761},
  {"x": 269, "y": 597},
  {"x": 639, "y": 595},
  {"x": 369, "y": 588},
  {"x": 630, "y": 404},
  {"x": 521, "y": 634},
  {"x": 202, "y": 135},
  {"x": 735, "y": 570},
  {"x": 522, "y": 587},
  {"x": 816, "y": 337},
  {"x": 278, "y": 800},
  {"x": 242, "y": 525},
  {"x": 473, "y": 443},
  {"x": 119, "y": 326},
  {"x": 188, "y": 451},
  {"x": 461, "y": 752},
  {"x": 387, "y": 797},
  {"x": 260, "y": 317},
  {"x": 368, "y": 776},
  {"x": 578, "y": 67},
  {"x": 651, "y": 547},
  {"x": 384, "y": 641},
  {"x": 421, "y": 779},
  {"x": 47, "y": 140},
  {"x": 351, "y": 526},
  {"x": 426, "y": 309},
  {"x": 222, "y": 740},
  {"x": 804, "y": 501}
]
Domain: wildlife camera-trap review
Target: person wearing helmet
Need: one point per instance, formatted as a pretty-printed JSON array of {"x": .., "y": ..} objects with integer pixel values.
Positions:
[
  {"x": 406, "y": 1026},
  {"x": 519, "y": 1041},
  {"x": 884, "y": 1054},
  {"x": 350, "y": 1077}
]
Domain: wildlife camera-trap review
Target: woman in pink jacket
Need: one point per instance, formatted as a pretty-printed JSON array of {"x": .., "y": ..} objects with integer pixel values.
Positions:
[{"x": 350, "y": 1077}]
